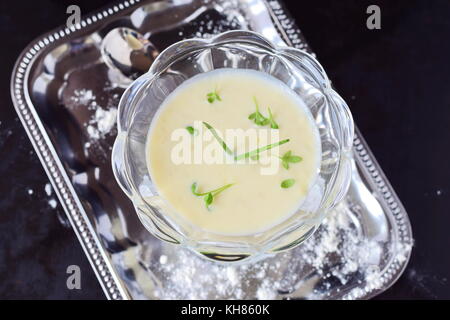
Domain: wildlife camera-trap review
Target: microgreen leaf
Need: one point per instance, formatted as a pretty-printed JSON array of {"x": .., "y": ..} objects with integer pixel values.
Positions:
[
  {"x": 194, "y": 189},
  {"x": 287, "y": 183},
  {"x": 259, "y": 150},
  {"x": 208, "y": 197},
  {"x": 257, "y": 117},
  {"x": 295, "y": 159},
  {"x": 272, "y": 122},
  {"x": 218, "y": 138},
  {"x": 289, "y": 158},
  {"x": 213, "y": 96},
  {"x": 192, "y": 130}
]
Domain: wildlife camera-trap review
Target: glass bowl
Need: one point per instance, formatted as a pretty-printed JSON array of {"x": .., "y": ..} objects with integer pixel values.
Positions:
[{"x": 243, "y": 50}]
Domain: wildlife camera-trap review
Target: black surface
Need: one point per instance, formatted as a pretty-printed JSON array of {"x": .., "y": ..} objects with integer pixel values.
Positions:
[{"x": 396, "y": 81}]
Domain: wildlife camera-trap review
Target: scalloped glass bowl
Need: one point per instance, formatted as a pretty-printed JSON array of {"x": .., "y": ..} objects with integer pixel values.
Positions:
[{"x": 243, "y": 50}]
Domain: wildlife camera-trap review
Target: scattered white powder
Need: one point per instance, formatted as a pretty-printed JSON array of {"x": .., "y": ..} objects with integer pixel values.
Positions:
[
  {"x": 83, "y": 96},
  {"x": 265, "y": 292},
  {"x": 402, "y": 252},
  {"x": 92, "y": 132},
  {"x": 52, "y": 203},
  {"x": 232, "y": 276},
  {"x": 48, "y": 189},
  {"x": 208, "y": 27},
  {"x": 101, "y": 123},
  {"x": 335, "y": 262},
  {"x": 103, "y": 118},
  {"x": 163, "y": 259}
]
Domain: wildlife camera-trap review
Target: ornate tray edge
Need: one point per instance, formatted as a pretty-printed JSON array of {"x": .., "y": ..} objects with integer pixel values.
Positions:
[
  {"x": 375, "y": 176},
  {"x": 98, "y": 258},
  {"x": 109, "y": 280}
]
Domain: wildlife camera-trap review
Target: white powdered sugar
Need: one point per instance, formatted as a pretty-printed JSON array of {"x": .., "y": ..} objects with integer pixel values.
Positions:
[
  {"x": 208, "y": 27},
  {"x": 83, "y": 96},
  {"x": 52, "y": 203},
  {"x": 336, "y": 262},
  {"x": 48, "y": 189},
  {"x": 103, "y": 116},
  {"x": 101, "y": 123}
]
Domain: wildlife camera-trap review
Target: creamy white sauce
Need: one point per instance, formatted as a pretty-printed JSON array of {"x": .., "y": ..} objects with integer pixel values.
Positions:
[{"x": 256, "y": 201}]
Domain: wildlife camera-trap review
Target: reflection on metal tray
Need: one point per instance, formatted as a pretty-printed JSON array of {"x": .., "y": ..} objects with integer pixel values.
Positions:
[{"x": 66, "y": 99}]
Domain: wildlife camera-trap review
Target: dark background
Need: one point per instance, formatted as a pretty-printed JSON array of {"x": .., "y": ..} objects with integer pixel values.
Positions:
[{"x": 396, "y": 81}]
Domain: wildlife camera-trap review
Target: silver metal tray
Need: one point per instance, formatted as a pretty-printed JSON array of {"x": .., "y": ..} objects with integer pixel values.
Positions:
[{"x": 63, "y": 95}]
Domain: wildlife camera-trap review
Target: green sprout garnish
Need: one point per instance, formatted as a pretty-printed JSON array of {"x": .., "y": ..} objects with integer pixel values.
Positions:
[
  {"x": 253, "y": 153},
  {"x": 260, "y": 120},
  {"x": 192, "y": 130},
  {"x": 289, "y": 158},
  {"x": 257, "y": 117},
  {"x": 208, "y": 197},
  {"x": 272, "y": 122},
  {"x": 218, "y": 138},
  {"x": 287, "y": 183},
  {"x": 213, "y": 96}
]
